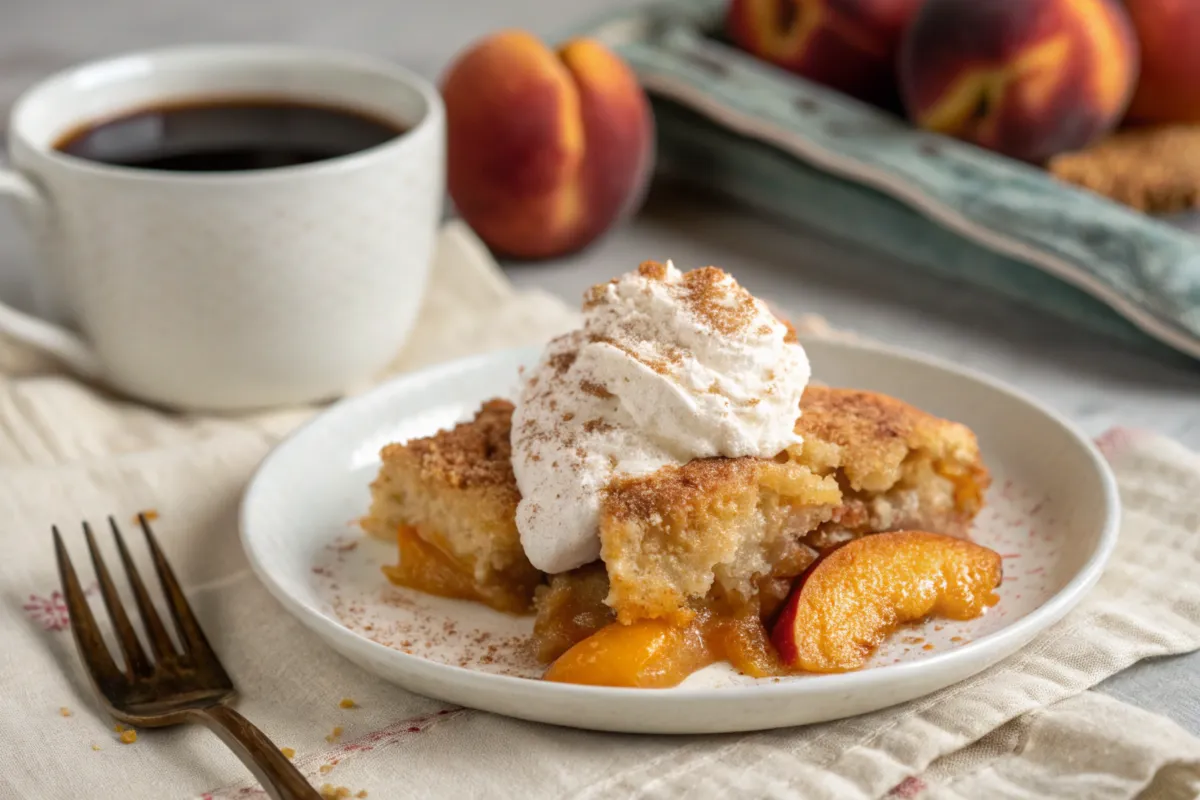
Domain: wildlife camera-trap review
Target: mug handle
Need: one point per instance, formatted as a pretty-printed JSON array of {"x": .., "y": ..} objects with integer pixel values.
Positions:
[{"x": 59, "y": 342}]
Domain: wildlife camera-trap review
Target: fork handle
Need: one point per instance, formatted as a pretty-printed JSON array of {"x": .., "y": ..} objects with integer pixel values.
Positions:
[{"x": 278, "y": 776}]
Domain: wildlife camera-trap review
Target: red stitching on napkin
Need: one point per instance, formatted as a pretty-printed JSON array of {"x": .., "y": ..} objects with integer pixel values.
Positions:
[
  {"x": 310, "y": 765},
  {"x": 51, "y": 611},
  {"x": 1115, "y": 440},
  {"x": 908, "y": 788},
  {"x": 395, "y": 732}
]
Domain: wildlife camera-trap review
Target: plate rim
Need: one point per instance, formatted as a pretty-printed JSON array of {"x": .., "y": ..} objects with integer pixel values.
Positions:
[{"x": 1022, "y": 630}]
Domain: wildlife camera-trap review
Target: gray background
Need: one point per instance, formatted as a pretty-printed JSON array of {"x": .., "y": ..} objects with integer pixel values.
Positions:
[{"x": 1092, "y": 381}]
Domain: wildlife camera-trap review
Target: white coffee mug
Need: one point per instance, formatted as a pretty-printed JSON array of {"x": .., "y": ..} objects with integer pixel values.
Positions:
[{"x": 228, "y": 290}]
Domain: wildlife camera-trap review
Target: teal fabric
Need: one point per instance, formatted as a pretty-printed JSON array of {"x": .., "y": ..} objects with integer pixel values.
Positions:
[{"x": 696, "y": 80}]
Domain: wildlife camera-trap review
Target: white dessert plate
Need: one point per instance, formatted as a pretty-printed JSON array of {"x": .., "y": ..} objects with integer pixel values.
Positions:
[{"x": 1052, "y": 513}]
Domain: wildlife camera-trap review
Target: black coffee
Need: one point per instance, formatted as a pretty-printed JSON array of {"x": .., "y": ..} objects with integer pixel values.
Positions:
[{"x": 227, "y": 135}]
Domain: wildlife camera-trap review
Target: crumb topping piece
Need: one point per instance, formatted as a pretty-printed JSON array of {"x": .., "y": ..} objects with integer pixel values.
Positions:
[
  {"x": 715, "y": 299},
  {"x": 644, "y": 497},
  {"x": 473, "y": 454},
  {"x": 1155, "y": 169}
]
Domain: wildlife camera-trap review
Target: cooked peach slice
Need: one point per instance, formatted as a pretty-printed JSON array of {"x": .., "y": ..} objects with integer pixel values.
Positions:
[
  {"x": 853, "y": 598},
  {"x": 652, "y": 654},
  {"x": 431, "y": 569},
  {"x": 657, "y": 654}
]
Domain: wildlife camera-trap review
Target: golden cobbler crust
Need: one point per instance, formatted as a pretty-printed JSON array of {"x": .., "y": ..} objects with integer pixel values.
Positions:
[
  {"x": 470, "y": 455},
  {"x": 719, "y": 523},
  {"x": 733, "y": 530},
  {"x": 456, "y": 491},
  {"x": 869, "y": 436},
  {"x": 736, "y": 528}
]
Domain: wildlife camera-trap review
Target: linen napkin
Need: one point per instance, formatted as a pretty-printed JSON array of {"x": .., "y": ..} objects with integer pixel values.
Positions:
[{"x": 1026, "y": 727}]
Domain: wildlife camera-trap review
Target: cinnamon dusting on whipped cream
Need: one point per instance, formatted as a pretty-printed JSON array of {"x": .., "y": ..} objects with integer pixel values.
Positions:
[{"x": 668, "y": 367}]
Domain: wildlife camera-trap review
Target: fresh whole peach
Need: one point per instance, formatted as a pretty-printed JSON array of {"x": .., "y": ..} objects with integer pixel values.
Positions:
[
  {"x": 1027, "y": 78},
  {"x": 848, "y": 45},
  {"x": 1169, "y": 87},
  {"x": 545, "y": 150}
]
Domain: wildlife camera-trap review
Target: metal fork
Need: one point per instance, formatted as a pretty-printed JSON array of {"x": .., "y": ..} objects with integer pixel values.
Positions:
[{"x": 184, "y": 685}]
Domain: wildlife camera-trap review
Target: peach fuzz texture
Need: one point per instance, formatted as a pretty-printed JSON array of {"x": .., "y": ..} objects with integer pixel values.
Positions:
[
  {"x": 1026, "y": 78},
  {"x": 546, "y": 150},
  {"x": 1168, "y": 89},
  {"x": 848, "y": 45}
]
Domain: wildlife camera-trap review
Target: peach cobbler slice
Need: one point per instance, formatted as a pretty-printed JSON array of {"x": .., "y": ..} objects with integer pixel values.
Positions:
[
  {"x": 450, "y": 502},
  {"x": 714, "y": 547},
  {"x": 695, "y": 559}
]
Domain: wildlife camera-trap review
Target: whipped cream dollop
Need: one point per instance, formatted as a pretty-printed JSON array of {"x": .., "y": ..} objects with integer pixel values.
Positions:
[{"x": 668, "y": 367}]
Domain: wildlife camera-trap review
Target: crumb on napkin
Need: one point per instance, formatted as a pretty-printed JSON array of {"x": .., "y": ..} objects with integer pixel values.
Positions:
[{"x": 1153, "y": 169}]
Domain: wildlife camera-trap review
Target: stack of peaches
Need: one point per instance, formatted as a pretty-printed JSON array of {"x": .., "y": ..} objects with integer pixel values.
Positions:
[
  {"x": 1026, "y": 78},
  {"x": 546, "y": 150}
]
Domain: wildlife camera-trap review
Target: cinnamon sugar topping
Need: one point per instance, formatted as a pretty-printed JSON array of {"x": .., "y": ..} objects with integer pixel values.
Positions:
[
  {"x": 474, "y": 454},
  {"x": 561, "y": 362},
  {"x": 654, "y": 270},
  {"x": 718, "y": 302},
  {"x": 595, "y": 389},
  {"x": 644, "y": 497}
]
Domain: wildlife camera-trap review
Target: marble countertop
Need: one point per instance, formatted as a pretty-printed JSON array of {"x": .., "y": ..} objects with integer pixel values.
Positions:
[{"x": 1092, "y": 381}]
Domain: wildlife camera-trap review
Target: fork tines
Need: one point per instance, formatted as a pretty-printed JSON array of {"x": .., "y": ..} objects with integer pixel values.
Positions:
[{"x": 194, "y": 645}]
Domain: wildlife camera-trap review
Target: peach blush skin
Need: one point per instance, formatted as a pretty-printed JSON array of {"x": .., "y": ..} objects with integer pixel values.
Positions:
[
  {"x": 1168, "y": 88},
  {"x": 545, "y": 150},
  {"x": 852, "y": 599},
  {"x": 1026, "y": 78},
  {"x": 848, "y": 45}
]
